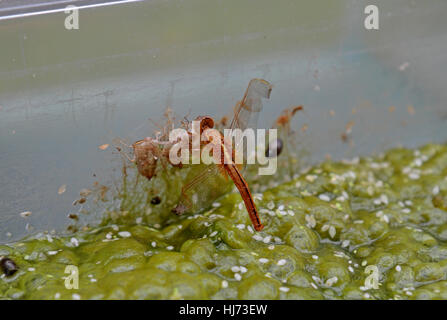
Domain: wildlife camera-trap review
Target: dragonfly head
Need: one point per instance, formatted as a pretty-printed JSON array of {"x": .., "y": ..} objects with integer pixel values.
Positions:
[{"x": 206, "y": 122}]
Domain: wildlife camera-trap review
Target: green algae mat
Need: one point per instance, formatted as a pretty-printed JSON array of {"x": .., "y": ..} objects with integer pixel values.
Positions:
[{"x": 367, "y": 228}]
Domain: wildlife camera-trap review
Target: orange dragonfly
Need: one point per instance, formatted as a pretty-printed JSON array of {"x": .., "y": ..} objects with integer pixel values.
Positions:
[{"x": 204, "y": 187}]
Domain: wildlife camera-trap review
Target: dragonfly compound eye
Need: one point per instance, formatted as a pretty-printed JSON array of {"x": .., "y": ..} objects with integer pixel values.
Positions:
[{"x": 205, "y": 122}]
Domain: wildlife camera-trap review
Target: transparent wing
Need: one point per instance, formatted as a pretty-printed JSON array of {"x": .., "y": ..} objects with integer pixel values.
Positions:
[
  {"x": 247, "y": 111},
  {"x": 202, "y": 189}
]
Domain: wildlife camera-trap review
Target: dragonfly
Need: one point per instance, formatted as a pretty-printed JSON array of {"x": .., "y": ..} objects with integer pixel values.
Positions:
[{"x": 204, "y": 187}]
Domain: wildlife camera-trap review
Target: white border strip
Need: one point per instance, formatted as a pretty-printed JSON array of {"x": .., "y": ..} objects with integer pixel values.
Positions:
[{"x": 29, "y": 14}]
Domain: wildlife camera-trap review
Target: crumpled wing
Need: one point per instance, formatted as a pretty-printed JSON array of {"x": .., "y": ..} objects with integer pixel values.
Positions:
[{"x": 247, "y": 111}]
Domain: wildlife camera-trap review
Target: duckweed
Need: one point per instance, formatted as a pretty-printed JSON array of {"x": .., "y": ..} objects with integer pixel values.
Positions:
[{"x": 322, "y": 230}]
